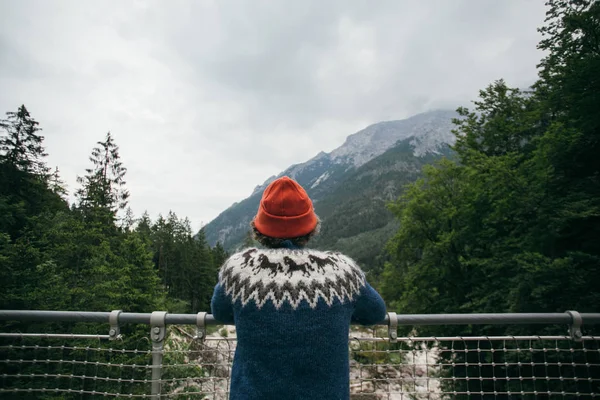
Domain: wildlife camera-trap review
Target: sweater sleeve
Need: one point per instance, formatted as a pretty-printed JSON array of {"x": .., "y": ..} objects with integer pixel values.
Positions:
[
  {"x": 369, "y": 307},
  {"x": 221, "y": 306}
]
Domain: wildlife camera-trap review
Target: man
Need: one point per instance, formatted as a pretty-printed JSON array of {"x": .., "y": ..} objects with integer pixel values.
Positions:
[{"x": 291, "y": 306}]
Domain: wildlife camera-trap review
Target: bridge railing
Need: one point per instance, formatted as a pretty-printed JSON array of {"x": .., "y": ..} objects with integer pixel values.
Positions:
[{"x": 60, "y": 354}]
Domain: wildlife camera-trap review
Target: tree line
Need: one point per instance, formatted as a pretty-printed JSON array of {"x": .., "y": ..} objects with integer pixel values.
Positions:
[{"x": 93, "y": 254}]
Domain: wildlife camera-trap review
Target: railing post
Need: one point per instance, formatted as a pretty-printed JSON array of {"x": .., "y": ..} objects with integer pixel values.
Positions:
[
  {"x": 393, "y": 327},
  {"x": 113, "y": 319},
  {"x": 201, "y": 326},
  {"x": 157, "y": 335},
  {"x": 575, "y": 326}
]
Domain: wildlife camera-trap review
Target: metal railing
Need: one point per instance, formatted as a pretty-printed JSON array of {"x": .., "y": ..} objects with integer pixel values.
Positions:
[{"x": 60, "y": 354}]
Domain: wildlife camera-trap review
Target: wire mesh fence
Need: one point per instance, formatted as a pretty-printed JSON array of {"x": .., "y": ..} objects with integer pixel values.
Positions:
[
  {"x": 502, "y": 367},
  {"x": 57, "y": 367},
  {"x": 192, "y": 367},
  {"x": 73, "y": 367}
]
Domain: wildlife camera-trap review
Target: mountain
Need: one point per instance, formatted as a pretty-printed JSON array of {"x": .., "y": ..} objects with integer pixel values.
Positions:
[
  {"x": 351, "y": 185},
  {"x": 355, "y": 219}
]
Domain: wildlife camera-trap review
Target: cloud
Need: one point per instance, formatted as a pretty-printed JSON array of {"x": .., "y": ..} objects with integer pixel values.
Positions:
[{"x": 208, "y": 98}]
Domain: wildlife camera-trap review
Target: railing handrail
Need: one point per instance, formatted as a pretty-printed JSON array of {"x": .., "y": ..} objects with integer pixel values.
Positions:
[
  {"x": 75, "y": 366},
  {"x": 403, "y": 319}
]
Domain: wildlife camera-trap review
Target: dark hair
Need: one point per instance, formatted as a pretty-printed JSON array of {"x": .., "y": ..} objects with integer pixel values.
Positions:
[{"x": 275, "y": 243}]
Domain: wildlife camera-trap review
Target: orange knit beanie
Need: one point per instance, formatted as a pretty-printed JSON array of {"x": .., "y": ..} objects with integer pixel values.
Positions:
[{"x": 285, "y": 210}]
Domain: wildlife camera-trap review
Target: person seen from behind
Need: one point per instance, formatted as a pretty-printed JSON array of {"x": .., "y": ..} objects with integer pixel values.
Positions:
[{"x": 291, "y": 306}]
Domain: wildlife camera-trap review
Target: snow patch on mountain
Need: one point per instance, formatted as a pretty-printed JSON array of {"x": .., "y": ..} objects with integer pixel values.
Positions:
[{"x": 320, "y": 179}]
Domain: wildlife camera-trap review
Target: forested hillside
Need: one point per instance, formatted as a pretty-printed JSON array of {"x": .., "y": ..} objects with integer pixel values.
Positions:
[
  {"x": 93, "y": 254},
  {"x": 355, "y": 217}
]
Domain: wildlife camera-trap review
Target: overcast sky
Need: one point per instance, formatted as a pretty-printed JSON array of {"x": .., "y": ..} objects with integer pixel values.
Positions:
[{"x": 207, "y": 99}]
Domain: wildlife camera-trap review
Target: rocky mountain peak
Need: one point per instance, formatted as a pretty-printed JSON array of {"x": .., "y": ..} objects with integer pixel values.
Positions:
[{"x": 430, "y": 130}]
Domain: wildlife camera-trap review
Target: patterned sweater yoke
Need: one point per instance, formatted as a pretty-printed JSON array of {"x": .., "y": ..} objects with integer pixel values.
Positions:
[
  {"x": 291, "y": 276},
  {"x": 292, "y": 310}
]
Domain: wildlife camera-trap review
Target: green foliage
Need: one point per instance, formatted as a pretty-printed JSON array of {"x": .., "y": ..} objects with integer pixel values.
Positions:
[
  {"x": 20, "y": 145},
  {"x": 56, "y": 257},
  {"x": 512, "y": 225},
  {"x": 187, "y": 266},
  {"x": 103, "y": 191}
]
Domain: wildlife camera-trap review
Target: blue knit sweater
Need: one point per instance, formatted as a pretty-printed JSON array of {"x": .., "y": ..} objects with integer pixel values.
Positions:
[{"x": 292, "y": 309}]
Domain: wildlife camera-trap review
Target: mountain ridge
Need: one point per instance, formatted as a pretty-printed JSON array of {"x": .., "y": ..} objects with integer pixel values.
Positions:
[{"x": 422, "y": 135}]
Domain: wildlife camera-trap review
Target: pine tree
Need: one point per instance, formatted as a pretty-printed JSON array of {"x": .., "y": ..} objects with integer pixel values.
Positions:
[
  {"x": 21, "y": 146},
  {"x": 144, "y": 225},
  {"x": 219, "y": 255},
  {"x": 128, "y": 220},
  {"x": 204, "y": 277},
  {"x": 103, "y": 191},
  {"x": 24, "y": 186},
  {"x": 502, "y": 123},
  {"x": 57, "y": 185},
  {"x": 30, "y": 277}
]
